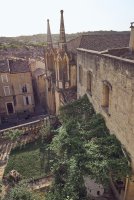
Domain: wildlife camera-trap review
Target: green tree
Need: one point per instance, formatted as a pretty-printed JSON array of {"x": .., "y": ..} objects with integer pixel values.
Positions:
[{"x": 83, "y": 146}]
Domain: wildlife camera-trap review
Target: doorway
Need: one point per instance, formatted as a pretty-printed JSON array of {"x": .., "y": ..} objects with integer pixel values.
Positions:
[{"x": 10, "y": 108}]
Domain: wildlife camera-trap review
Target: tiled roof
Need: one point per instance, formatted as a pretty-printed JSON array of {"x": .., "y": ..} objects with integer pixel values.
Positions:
[
  {"x": 39, "y": 72},
  {"x": 14, "y": 66},
  {"x": 73, "y": 44},
  {"x": 19, "y": 66},
  {"x": 4, "y": 66},
  {"x": 99, "y": 42}
]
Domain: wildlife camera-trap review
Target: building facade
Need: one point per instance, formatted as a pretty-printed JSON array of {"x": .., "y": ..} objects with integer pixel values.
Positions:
[{"x": 16, "y": 93}]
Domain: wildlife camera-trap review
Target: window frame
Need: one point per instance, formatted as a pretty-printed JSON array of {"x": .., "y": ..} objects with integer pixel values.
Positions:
[
  {"x": 9, "y": 92},
  {"x": 4, "y": 78},
  {"x": 107, "y": 88}
]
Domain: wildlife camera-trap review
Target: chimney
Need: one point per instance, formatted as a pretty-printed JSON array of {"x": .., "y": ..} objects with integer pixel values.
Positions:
[
  {"x": 62, "y": 40},
  {"x": 49, "y": 37},
  {"x": 131, "y": 42}
]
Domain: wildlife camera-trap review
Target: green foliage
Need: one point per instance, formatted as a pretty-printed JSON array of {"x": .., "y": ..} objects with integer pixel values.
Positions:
[
  {"x": 83, "y": 146},
  {"x": 46, "y": 133},
  {"x": 79, "y": 110},
  {"x": 0, "y": 186},
  {"x": 27, "y": 161},
  {"x": 104, "y": 158},
  {"x": 22, "y": 192},
  {"x": 13, "y": 134}
]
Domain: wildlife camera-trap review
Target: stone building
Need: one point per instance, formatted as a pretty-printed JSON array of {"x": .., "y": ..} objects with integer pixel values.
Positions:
[
  {"x": 107, "y": 77},
  {"x": 60, "y": 72},
  {"x": 37, "y": 68},
  {"x": 16, "y": 91}
]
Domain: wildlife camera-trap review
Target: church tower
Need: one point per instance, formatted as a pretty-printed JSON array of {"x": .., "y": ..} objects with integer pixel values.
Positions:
[
  {"x": 59, "y": 67},
  {"x": 49, "y": 54},
  {"x": 49, "y": 37},
  {"x": 62, "y": 60},
  {"x": 62, "y": 39}
]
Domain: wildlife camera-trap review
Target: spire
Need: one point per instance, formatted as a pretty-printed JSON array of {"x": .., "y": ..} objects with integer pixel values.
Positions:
[
  {"x": 62, "y": 41},
  {"x": 131, "y": 41},
  {"x": 49, "y": 37}
]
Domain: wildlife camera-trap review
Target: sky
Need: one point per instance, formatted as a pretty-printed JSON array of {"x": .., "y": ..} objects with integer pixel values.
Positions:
[{"x": 28, "y": 17}]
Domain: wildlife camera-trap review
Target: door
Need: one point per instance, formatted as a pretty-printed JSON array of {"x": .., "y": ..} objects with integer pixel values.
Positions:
[{"x": 10, "y": 108}]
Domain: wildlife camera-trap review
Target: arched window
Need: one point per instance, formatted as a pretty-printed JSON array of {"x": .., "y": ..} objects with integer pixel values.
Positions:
[
  {"x": 106, "y": 95},
  {"x": 60, "y": 70},
  {"x": 80, "y": 74},
  {"x": 65, "y": 76},
  {"x": 89, "y": 81}
]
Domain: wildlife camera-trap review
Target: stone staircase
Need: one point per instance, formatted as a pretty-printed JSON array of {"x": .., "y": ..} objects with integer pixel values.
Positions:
[{"x": 5, "y": 149}]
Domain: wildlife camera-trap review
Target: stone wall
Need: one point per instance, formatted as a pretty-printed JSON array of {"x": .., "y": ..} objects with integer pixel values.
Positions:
[{"x": 118, "y": 75}]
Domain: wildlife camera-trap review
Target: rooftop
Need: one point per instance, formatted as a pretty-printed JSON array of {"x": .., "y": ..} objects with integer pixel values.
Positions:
[
  {"x": 121, "y": 52},
  {"x": 99, "y": 42},
  {"x": 14, "y": 65},
  {"x": 4, "y": 66}
]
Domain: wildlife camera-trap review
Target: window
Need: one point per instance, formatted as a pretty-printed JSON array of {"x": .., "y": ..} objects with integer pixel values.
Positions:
[
  {"x": 14, "y": 100},
  {"x": 49, "y": 84},
  {"x": 4, "y": 78},
  {"x": 25, "y": 88},
  {"x": 6, "y": 90},
  {"x": 89, "y": 82},
  {"x": 63, "y": 76},
  {"x": 106, "y": 95},
  {"x": 27, "y": 100},
  {"x": 80, "y": 74}
]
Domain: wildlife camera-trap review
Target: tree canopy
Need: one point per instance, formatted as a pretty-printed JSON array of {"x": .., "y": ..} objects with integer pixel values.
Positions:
[{"x": 83, "y": 146}]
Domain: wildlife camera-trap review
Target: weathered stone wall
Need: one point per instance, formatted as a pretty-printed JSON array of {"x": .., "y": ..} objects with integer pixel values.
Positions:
[
  {"x": 119, "y": 73},
  {"x": 73, "y": 73}
]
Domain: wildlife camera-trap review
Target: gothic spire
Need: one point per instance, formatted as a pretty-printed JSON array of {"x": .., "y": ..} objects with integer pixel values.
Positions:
[
  {"x": 49, "y": 37},
  {"x": 62, "y": 40}
]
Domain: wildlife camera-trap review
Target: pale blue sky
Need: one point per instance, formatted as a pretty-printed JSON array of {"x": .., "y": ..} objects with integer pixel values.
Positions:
[{"x": 27, "y": 17}]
